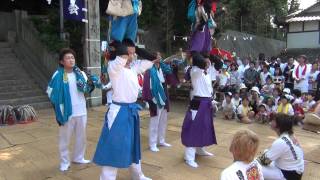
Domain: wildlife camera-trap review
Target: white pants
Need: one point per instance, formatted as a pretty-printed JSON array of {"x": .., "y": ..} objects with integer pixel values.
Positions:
[
  {"x": 158, "y": 127},
  {"x": 190, "y": 153},
  {"x": 110, "y": 173},
  {"x": 271, "y": 172},
  {"x": 77, "y": 125}
]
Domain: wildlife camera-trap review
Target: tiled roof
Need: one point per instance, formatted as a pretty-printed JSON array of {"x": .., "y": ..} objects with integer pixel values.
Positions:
[{"x": 303, "y": 18}]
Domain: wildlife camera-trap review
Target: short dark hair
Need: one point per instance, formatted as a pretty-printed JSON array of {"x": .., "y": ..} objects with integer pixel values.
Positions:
[
  {"x": 128, "y": 43},
  {"x": 280, "y": 72},
  {"x": 296, "y": 92},
  {"x": 284, "y": 123},
  {"x": 312, "y": 93},
  {"x": 63, "y": 52}
]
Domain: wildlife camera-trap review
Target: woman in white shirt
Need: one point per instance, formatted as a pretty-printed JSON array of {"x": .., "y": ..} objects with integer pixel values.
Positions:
[
  {"x": 243, "y": 147},
  {"x": 313, "y": 77},
  {"x": 284, "y": 159}
]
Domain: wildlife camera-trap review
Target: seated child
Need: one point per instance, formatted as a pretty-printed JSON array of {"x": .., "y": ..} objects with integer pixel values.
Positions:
[
  {"x": 310, "y": 104},
  {"x": 276, "y": 95},
  {"x": 243, "y": 90},
  {"x": 228, "y": 108},
  {"x": 298, "y": 107},
  {"x": 236, "y": 100},
  {"x": 268, "y": 88},
  {"x": 244, "y": 112},
  {"x": 270, "y": 106},
  {"x": 285, "y": 107},
  {"x": 262, "y": 116},
  {"x": 244, "y": 147}
]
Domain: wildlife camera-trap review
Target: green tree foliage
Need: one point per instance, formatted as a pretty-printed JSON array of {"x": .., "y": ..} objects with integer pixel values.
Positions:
[
  {"x": 253, "y": 16},
  {"x": 293, "y": 6}
]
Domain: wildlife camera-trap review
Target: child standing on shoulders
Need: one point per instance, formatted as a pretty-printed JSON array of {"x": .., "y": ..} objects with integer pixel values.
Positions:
[{"x": 244, "y": 147}]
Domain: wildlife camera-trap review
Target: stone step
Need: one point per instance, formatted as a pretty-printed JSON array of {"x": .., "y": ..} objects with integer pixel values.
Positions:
[
  {"x": 25, "y": 100},
  {"x": 21, "y": 94},
  {"x": 4, "y": 44},
  {"x": 13, "y": 70},
  {"x": 5, "y": 50},
  {"x": 5, "y": 89},
  {"x": 11, "y": 58},
  {"x": 6, "y": 83},
  {"x": 41, "y": 105},
  {"x": 5, "y": 63},
  {"x": 13, "y": 76},
  {"x": 9, "y": 66},
  {"x": 7, "y": 55}
]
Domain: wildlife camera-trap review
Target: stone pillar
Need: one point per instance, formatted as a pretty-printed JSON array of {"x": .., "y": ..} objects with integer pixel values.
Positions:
[{"x": 92, "y": 48}]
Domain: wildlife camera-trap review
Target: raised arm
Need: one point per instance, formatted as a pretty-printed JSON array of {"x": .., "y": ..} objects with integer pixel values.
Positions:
[
  {"x": 140, "y": 66},
  {"x": 115, "y": 66}
]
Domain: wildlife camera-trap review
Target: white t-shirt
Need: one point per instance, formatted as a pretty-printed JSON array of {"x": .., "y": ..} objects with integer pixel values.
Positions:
[
  {"x": 310, "y": 104},
  {"x": 229, "y": 106},
  {"x": 243, "y": 111},
  {"x": 78, "y": 100},
  {"x": 124, "y": 80},
  {"x": 286, "y": 154},
  {"x": 240, "y": 170},
  {"x": 223, "y": 79},
  {"x": 236, "y": 102},
  {"x": 201, "y": 82},
  {"x": 263, "y": 77},
  {"x": 213, "y": 73},
  {"x": 313, "y": 77},
  {"x": 303, "y": 85}
]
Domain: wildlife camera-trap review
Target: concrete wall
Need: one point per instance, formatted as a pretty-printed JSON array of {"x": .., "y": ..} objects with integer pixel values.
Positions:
[
  {"x": 295, "y": 26},
  {"x": 7, "y": 23},
  {"x": 303, "y": 40},
  {"x": 244, "y": 48},
  {"x": 311, "y": 25}
]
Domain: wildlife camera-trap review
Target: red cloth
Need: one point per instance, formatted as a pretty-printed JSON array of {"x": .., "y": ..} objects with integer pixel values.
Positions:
[
  {"x": 298, "y": 110},
  {"x": 303, "y": 71},
  {"x": 140, "y": 80},
  {"x": 222, "y": 53},
  {"x": 214, "y": 7}
]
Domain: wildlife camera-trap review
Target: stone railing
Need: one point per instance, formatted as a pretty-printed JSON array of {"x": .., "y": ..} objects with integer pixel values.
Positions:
[{"x": 37, "y": 60}]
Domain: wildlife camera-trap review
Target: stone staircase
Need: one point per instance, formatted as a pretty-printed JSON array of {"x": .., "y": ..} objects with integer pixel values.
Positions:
[{"x": 16, "y": 86}]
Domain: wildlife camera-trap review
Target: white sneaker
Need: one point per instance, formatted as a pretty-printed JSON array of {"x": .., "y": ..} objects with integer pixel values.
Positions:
[
  {"x": 202, "y": 152},
  {"x": 164, "y": 144},
  {"x": 144, "y": 178},
  {"x": 192, "y": 163},
  {"x": 154, "y": 149},
  {"x": 64, "y": 167},
  {"x": 83, "y": 161}
]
